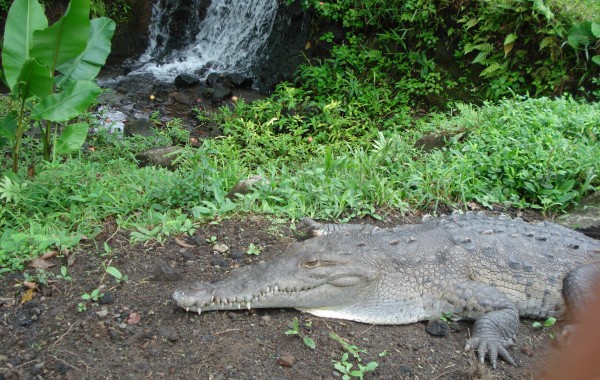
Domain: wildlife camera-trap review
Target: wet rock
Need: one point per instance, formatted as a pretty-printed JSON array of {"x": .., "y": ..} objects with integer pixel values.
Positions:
[
  {"x": 139, "y": 127},
  {"x": 244, "y": 186},
  {"x": 437, "y": 327},
  {"x": 163, "y": 156},
  {"x": 239, "y": 80},
  {"x": 186, "y": 80},
  {"x": 585, "y": 217},
  {"x": 221, "y": 94},
  {"x": 286, "y": 360},
  {"x": 216, "y": 80},
  {"x": 163, "y": 272}
]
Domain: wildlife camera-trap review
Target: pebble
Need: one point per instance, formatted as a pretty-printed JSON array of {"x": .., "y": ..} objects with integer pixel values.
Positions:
[
  {"x": 163, "y": 272},
  {"x": 437, "y": 327},
  {"x": 286, "y": 360},
  {"x": 220, "y": 248},
  {"x": 102, "y": 313},
  {"x": 107, "y": 299},
  {"x": 3, "y": 359}
]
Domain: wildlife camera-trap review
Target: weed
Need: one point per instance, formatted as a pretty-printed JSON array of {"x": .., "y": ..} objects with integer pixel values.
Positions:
[
  {"x": 94, "y": 295},
  {"x": 64, "y": 274},
  {"x": 549, "y": 322},
  {"x": 254, "y": 249},
  {"x": 345, "y": 366},
  {"x": 113, "y": 271},
  {"x": 211, "y": 240},
  {"x": 295, "y": 330}
]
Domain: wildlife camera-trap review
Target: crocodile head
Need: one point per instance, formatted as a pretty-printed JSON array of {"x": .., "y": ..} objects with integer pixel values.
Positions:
[{"x": 318, "y": 275}]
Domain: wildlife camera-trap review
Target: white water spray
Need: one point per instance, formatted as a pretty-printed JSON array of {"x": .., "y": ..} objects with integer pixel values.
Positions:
[{"x": 227, "y": 40}]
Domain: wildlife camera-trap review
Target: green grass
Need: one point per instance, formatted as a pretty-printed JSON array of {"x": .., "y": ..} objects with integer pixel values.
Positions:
[{"x": 581, "y": 10}]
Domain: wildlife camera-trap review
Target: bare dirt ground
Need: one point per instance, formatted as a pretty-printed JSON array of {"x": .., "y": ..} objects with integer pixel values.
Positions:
[{"x": 137, "y": 332}]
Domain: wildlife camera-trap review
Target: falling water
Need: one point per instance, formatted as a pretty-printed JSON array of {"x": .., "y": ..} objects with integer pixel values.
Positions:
[{"x": 226, "y": 40}]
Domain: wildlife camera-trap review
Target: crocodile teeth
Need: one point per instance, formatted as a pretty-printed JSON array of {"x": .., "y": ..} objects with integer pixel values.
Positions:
[
  {"x": 276, "y": 288},
  {"x": 248, "y": 305},
  {"x": 199, "y": 311},
  {"x": 239, "y": 305},
  {"x": 187, "y": 309}
]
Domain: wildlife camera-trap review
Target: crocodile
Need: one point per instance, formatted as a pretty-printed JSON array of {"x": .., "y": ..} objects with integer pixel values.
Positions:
[{"x": 488, "y": 269}]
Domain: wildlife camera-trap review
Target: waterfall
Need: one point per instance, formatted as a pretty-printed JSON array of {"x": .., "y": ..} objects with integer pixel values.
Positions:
[{"x": 225, "y": 40}]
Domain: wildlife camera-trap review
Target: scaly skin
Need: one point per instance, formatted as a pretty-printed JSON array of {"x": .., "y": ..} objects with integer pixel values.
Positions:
[{"x": 492, "y": 270}]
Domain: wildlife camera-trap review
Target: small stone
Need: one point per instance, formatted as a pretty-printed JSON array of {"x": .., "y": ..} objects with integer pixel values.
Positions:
[
  {"x": 244, "y": 186},
  {"x": 266, "y": 318},
  {"x": 163, "y": 272},
  {"x": 3, "y": 359},
  {"x": 107, "y": 299},
  {"x": 162, "y": 156},
  {"x": 286, "y": 360},
  {"x": 123, "y": 325},
  {"x": 102, "y": 313},
  {"x": 220, "y": 248},
  {"x": 437, "y": 327}
]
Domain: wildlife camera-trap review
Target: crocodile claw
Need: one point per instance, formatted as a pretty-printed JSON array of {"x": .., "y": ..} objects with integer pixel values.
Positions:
[{"x": 491, "y": 348}]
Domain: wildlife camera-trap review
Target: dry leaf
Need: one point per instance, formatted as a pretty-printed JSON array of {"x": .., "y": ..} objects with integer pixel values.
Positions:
[
  {"x": 71, "y": 260},
  {"x": 30, "y": 285},
  {"x": 184, "y": 244},
  {"x": 49, "y": 255},
  {"x": 27, "y": 296},
  {"x": 40, "y": 264},
  {"x": 134, "y": 318}
]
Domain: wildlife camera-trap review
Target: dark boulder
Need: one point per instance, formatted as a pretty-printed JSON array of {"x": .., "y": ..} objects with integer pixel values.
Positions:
[
  {"x": 186, "y": 80},
  {"x": 239, "y": 80}
]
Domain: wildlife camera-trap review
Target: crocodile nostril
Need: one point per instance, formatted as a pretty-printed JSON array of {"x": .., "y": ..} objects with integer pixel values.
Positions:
[{"x": 196, "y": 286}]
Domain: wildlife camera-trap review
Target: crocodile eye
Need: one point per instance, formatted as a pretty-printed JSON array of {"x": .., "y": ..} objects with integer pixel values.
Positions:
[{"x": 311, "y": 264}]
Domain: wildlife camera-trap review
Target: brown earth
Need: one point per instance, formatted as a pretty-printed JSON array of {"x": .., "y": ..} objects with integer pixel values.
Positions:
[{"x": 138, "y": 332}]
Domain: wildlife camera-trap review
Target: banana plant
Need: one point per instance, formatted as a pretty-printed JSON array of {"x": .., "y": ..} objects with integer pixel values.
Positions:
[{"x": 50, "y": 69}]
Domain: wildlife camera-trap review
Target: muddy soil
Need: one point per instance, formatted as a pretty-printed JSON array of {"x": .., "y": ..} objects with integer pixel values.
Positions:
[{"x": 136, "y": 331}]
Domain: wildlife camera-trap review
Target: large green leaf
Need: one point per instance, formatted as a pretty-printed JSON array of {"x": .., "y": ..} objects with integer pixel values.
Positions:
[
  {"x": 87, "y": 65},
  {"x": 24, "y": 17},
  {"x": 581, "y": 34},
  {"x": 67, "y": 104},
  {"x": 71, "y": 139},
  {"x": 8, "y": 128},
  {"x": 34, "y": 79},
  {"x": 66, "y": 38}
]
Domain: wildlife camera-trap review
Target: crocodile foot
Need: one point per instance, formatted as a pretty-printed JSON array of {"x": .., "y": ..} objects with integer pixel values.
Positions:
[{"x": 492, "y": 347}]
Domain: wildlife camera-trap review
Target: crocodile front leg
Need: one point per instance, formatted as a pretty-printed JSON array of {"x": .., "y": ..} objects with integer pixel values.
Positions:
[{"x": 496, "y": 320}]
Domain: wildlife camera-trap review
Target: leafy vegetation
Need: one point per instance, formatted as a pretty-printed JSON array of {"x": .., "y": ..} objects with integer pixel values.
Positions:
[
  {"x": 344, "y": 138},
  {"x": 32, "y": 53},
  {"x": 345, "y": 366}
]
